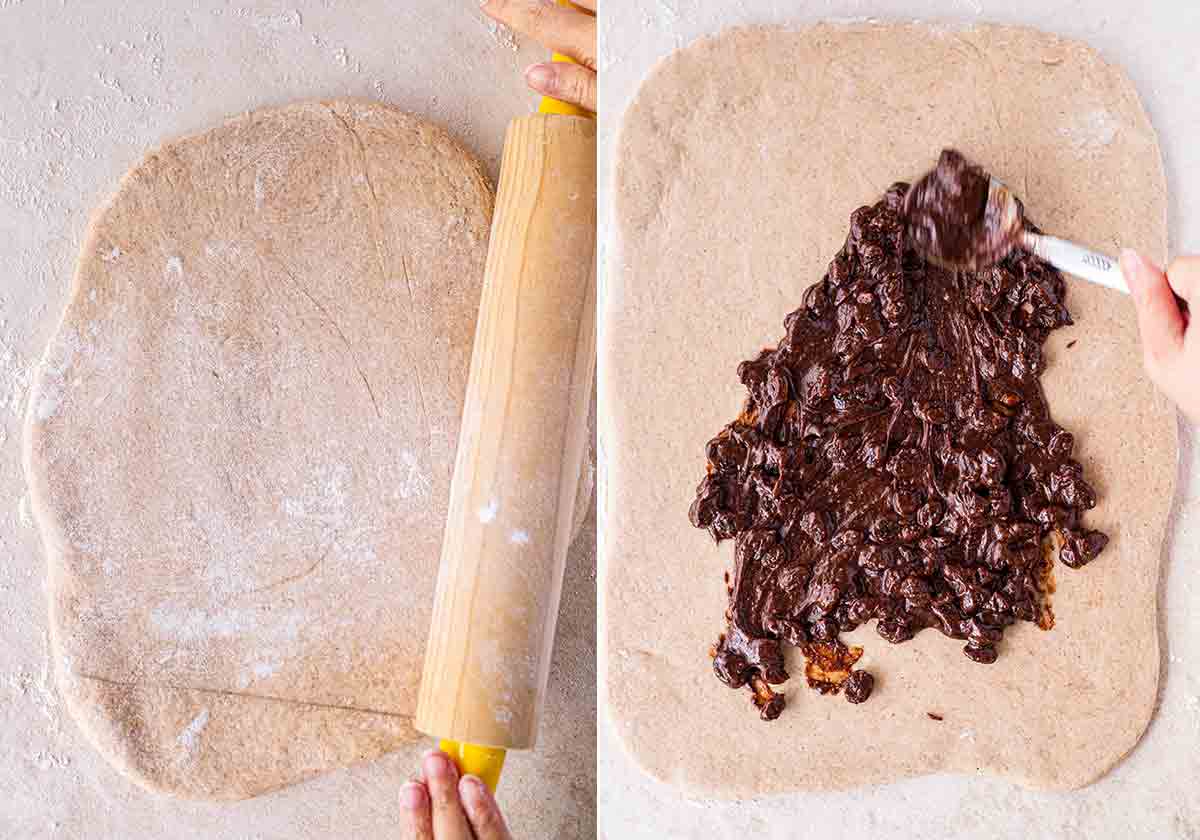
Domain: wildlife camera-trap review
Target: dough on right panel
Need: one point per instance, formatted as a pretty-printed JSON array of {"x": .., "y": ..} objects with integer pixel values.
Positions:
[{"x": 736, "y": 181}]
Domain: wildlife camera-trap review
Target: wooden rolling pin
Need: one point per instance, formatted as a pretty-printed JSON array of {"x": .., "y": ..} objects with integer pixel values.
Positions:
[{"x": 520, "y": 450}]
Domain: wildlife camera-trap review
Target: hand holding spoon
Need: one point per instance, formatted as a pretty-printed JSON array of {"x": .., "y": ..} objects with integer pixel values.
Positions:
[{"x": 960, "y": 217}]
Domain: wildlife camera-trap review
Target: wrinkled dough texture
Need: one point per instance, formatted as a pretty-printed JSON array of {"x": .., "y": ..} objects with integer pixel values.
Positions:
[
  {"x": 734, "y": 181},
  {"x": 241, "y": 441}
]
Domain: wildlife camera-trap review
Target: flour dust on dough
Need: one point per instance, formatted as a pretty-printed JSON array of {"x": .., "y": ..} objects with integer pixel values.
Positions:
[
  {"x": 735, "y": 180},
  {"x": 241, "y": 440}
]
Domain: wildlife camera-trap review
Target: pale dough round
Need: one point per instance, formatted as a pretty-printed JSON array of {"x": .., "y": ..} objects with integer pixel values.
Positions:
[
  {"x": 241, "y": 441},
  {"x": 736, "y": 179}
]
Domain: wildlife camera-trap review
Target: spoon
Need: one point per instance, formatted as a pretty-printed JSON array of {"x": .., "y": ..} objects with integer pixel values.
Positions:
[{"x": 1064, "y": 255}]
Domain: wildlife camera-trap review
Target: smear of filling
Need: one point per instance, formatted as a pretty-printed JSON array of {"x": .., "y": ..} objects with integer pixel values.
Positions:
[
  {"x": 895, "y": 461},
  {"x": 950, "y": 220}
]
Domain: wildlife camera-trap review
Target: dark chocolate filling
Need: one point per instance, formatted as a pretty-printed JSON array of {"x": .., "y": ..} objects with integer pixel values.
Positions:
[{"x": 895, "y": 461}]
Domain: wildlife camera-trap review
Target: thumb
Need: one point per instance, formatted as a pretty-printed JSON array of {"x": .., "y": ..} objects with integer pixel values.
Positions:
[
  {"x": 574, "y": 83},
  {"x": 1159, "y": 319}
]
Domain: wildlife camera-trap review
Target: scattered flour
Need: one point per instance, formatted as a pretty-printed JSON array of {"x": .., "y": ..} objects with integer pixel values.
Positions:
[
  {"x": 414, "y": 482},
  {"x": 47, "y": 760},
  {"x": 110, "y": 82},
  {"x": 260, "y": 191},
  {"x": 507, "y": 669},
  {"x": 16, "y": 373},
  {"x": 196, "y": 624},
  {"x": 668, "y": 12},
  {"x": 488, "y": 513},
  {"x": 262, "y": 670},
  {"x": 186, "y": 625},
  {"x": 341, "y": 55},
  {"x": 20, "y": 682},
  {"x": 276, "y": 22},
  {"x": 48, "y": 405},
  {"x": 502, "y": 35},
  {"x": 37, "y": 690},
  {"x": 189, "y": 738},
  {"x": 62, "y": 355},
  {"x": 1091, "y": 131},
  {"x": 519, "y": 537}
]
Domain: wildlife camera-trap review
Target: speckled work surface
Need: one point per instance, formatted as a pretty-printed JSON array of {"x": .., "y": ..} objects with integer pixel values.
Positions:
[
  {"x": 85, "y": 91},
  {"x": 1147, "y": 795}
]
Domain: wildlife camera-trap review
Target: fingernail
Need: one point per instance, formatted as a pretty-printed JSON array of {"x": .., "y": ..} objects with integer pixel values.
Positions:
[
  {"x": 413, "y": 796},
  {"x": 540, "y": 77},
  {"x": 474, "y": 794},
  {"x": 437, "y": 765}
]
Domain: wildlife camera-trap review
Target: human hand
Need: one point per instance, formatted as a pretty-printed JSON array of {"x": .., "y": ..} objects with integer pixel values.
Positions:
[
  {"x": 570, "y": 31},
  {"x": 441, "y": 806},
  {"x": 1170, "y": 348}
]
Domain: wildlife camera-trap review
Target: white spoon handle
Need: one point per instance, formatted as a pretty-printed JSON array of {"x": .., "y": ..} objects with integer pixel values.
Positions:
[{"x": 1072, "y": 258}]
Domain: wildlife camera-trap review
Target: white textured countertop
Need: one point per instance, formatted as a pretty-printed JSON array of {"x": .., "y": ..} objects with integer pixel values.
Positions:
[
  {"x": 1153, "y": 793},
  {"x": 86, "y": 88}
]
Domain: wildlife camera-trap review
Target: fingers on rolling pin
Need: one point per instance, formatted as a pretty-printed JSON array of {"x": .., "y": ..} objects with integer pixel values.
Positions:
[
  {"x": 482, "y": 811},
  {"x": 565, "y": 82},
  {"x": 416, "y": 817},
  {"x": 441, "y": 777},
  {"x": 554, "y": 27}
]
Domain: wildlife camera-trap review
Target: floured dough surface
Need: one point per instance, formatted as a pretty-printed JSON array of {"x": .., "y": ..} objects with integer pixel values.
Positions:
[
  {"x": 241, "y": 441},
  {"x": 735, "y": 177}
]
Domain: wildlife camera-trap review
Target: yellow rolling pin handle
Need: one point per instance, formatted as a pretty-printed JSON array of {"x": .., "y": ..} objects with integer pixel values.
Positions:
[
  {"x": 484, "y": 762},
  {"x": 549, "y": 104}
]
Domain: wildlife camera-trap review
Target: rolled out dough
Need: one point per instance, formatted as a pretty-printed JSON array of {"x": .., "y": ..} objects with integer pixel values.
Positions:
[
  {"x": 241, "y": 441},
  {"x": 735, "y": 181}
]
